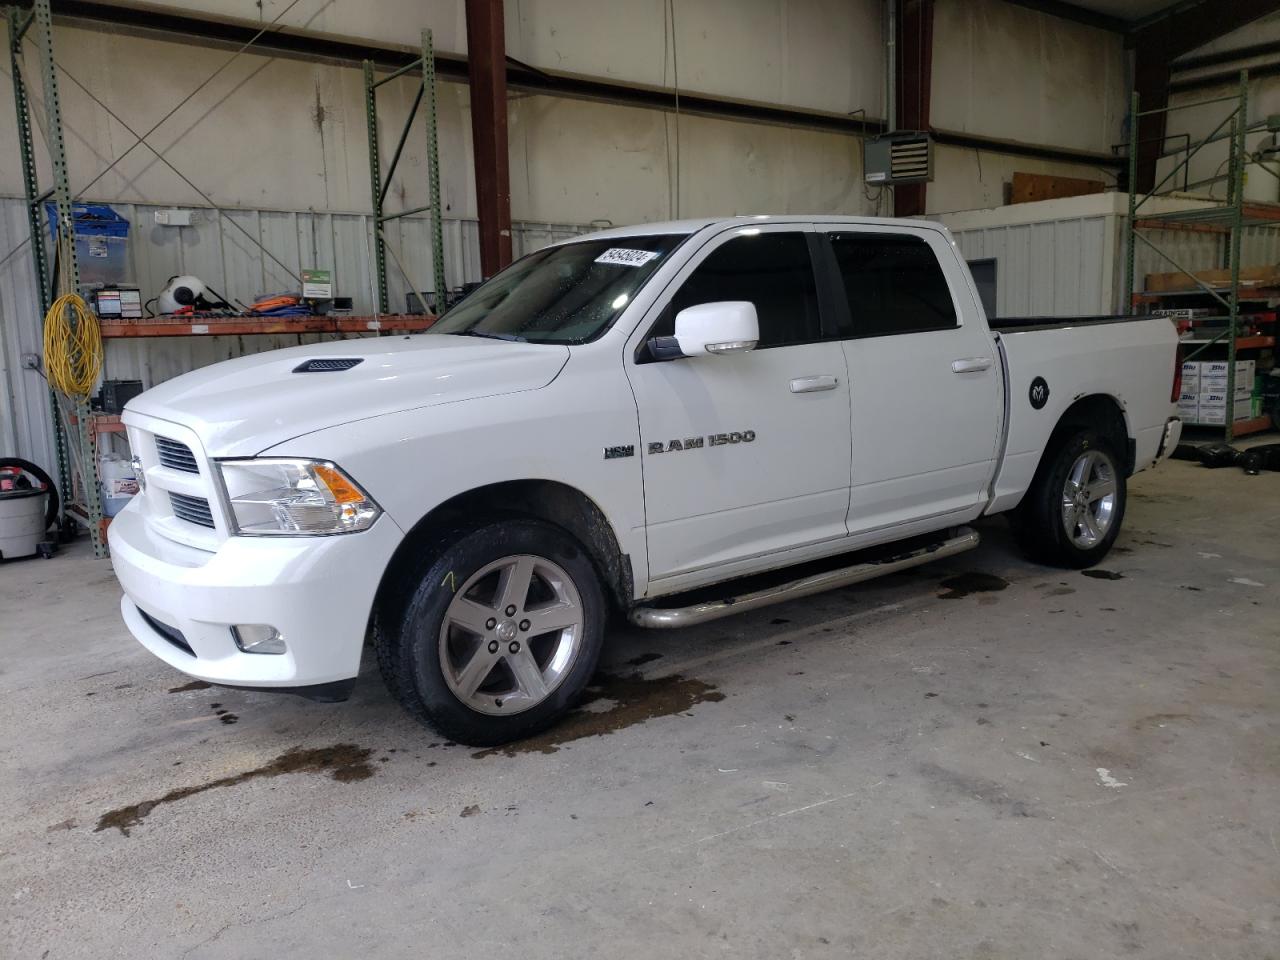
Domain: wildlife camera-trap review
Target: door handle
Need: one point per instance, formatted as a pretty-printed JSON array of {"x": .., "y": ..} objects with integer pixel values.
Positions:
[
  {"x": 971, "y": 365},
  {"x": 813, "y": 384}
]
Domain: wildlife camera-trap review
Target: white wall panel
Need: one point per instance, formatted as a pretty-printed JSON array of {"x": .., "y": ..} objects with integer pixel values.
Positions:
[
  {"x": 1005, "y": 71},
  {"x": 816, "y": 54},
  {"x": 1054, "y": 258}
]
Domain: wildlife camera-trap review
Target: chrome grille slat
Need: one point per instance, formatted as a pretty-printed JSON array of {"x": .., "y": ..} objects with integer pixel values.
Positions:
[
  {"x": 192, "y": 509},
  {"x": 175, "y": 455}
]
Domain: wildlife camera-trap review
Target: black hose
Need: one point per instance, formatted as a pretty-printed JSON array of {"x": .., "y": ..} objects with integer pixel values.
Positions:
[{"x": 51, "y": 510}]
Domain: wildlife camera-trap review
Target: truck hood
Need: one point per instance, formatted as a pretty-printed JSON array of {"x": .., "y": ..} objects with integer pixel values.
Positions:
[{"x": 244, "y": 406}]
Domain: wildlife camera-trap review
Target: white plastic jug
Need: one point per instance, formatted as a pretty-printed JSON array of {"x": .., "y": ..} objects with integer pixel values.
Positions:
[{"x": 118, "y": 483}]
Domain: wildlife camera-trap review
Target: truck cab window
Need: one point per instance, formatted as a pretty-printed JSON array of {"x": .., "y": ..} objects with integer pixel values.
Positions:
[
  {"x": 893, "y": 284},
  {"x": 771, "y": 270},
  {"x": 568, "y": 293}
]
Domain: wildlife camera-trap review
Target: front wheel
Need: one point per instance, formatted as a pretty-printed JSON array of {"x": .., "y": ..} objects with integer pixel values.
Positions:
[
  {"x": 1071, "y": 515},
  {"x": 496, "y": 639}
]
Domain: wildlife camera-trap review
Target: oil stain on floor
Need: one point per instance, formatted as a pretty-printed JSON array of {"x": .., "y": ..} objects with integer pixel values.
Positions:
[
  {"x": 345, "y": 762},
  {"x": 964, "y": 584},
  {"x": 612, "y": 703},
  {"x": 193, "y": 685},
  {"x": 1103, "y": 574}
]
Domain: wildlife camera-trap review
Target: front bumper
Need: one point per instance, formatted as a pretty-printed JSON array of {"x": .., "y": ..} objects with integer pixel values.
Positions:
[{"x": 316, "y": 591}]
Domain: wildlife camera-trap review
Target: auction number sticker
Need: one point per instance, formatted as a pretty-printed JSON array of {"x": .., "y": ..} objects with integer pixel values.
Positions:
[{"x": 625, "y": 257}]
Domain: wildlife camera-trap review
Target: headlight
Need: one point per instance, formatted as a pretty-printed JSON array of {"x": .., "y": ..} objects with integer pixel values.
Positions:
[{"x": 275, "y": 497}]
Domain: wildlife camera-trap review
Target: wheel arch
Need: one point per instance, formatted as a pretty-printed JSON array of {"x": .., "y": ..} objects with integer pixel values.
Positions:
[
  {"x": 549, "y": 500},
  {"x": 1095, "y": 411},
  {"x": 1101, "y": 412}
]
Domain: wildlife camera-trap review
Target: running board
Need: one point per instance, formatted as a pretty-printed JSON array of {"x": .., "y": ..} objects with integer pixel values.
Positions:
[{"x": 965, "y": 538}]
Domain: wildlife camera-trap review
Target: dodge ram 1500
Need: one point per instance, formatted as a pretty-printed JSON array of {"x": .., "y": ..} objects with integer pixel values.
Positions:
[{"x": 613, "y": 422}]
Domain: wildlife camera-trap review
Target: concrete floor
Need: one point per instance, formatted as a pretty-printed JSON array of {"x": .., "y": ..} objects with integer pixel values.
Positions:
[{"x": 1065, "y": 767}]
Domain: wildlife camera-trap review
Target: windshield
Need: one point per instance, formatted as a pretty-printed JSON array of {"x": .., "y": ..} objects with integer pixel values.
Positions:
[{"x": 566, "y": 294}]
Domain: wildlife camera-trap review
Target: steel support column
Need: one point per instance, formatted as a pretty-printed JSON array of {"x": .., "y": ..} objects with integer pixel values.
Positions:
[
  {"x": 914, "y": 84},
  {"x": 487, "y": 70}
]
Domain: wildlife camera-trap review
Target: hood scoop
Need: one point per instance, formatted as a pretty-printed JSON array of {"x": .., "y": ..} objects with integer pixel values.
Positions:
[{"x": 327, "y": 364}]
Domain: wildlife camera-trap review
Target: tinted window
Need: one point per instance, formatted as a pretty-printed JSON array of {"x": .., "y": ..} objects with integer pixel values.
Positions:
[
  {"x": 984, "y": 278},
  {"x": 771, "y": 270},
  {"x": 893, "y": 283},
  {"x": 565, "y": 294}
]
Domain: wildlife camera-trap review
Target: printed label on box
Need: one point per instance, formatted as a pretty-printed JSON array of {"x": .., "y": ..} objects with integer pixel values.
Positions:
[{"x": 317, "y": 285}]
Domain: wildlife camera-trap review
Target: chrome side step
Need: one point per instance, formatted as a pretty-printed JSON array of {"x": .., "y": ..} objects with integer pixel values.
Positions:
[{"x": 964, "y": 538}]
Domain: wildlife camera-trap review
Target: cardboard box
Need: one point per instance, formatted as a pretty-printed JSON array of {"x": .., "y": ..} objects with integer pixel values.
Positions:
[
  {"x": 1218, "y": 385},
  {"x": 1212, "y": 409},
  {"x": 1219, "y": 368},
  {"x": 1210, "y": 377}
]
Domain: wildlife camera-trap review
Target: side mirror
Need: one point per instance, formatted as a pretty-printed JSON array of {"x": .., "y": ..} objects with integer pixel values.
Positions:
[{"x": 729, "y": 326}]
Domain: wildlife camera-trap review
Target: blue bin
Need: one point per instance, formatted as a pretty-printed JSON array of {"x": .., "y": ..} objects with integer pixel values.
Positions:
[{"x": 102, "y": 238}]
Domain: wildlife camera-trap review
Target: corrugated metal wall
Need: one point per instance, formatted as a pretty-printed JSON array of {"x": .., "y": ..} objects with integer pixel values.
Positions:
[
  {"x": 1058, "y": 268},
  {"x": 229, "y": 261},
  {"x": 1075, "y": 266}
]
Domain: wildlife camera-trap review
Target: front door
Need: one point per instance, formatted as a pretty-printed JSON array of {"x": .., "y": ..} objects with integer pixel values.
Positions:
[
  {"x": 924, "y": 379},
  {"x": 744, "y": 455}
]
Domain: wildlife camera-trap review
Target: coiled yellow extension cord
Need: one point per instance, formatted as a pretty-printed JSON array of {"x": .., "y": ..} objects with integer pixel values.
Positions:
[{"x": 72, "y": 354}]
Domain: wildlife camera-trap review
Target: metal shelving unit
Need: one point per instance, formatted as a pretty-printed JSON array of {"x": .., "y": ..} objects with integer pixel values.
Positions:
[
  {"x": 75, "y": 428},
  {"x": 77, "y": 453},
  {"x": 1227, "y": 220},
  {"x": 379, "y": 184}
]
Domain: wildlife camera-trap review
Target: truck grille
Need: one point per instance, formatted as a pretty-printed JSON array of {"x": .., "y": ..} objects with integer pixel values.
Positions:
[
  {"x": 175, "y": 455},
  {"x": 191, "y": 509}
]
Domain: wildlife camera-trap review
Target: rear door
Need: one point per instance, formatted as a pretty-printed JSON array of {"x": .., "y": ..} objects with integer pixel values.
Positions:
[
  {"x": 744, "y": 455},
  {"x": 924, "y": 378}
]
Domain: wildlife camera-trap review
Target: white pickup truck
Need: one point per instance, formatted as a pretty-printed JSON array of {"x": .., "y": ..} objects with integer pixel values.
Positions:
[{"x": 607, "y": 425}]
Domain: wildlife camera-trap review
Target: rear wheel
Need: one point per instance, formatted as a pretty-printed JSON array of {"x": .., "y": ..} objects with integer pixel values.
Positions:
[
  {"x": 1072, "y": 514},
  {"x": 498, "y": 636}
]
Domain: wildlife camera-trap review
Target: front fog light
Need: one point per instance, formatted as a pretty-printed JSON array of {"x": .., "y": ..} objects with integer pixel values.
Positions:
[{"x": 258, "y": 638}]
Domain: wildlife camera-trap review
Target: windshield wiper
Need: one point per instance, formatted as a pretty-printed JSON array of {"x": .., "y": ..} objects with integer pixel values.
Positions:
[{"x": 515, "y": 338}]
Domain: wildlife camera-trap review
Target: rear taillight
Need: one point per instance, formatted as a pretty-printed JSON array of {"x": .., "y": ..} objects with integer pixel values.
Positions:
[{"x": 1177, "y": 375}]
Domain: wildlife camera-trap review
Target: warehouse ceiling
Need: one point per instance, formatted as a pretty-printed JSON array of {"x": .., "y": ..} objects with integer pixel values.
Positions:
[
  {"x": 1124, "y": 9},
  {"x": 1123, "y": 16}
]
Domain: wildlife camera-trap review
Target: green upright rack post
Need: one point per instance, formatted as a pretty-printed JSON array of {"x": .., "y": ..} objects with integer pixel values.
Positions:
[
  {"x": 1130, "y": 233},
  {"x": 379, "y": 182},
  {"x": 18, "y": 26},
  {"x": 86, "y": 505},
  {"x": 433, "y": 169},
  {"x": 375, "y": 186}
]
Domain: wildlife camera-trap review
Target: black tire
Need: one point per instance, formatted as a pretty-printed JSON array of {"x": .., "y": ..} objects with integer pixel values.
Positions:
[
  {"x": 1038, "y": 523},
  {"x": 407, "y": 629}
]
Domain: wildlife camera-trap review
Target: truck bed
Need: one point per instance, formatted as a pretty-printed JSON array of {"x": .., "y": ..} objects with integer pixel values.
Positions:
[
  {"x": 1131, "y": 359},
  {"x": 1015, "y": 324}
]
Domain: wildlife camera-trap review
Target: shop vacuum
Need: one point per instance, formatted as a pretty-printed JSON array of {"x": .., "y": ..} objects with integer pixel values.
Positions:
[{"x": 28, "y": 508}]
